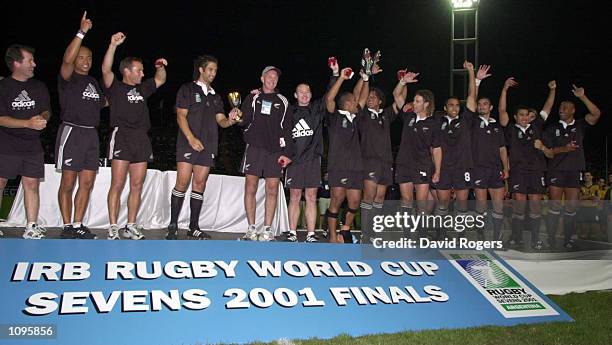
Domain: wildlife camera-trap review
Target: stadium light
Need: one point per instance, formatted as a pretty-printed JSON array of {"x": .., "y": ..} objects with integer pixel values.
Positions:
[{"x": 464, "y": 4}]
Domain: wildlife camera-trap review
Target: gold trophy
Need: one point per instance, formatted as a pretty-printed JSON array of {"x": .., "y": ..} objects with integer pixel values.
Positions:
[{"x": 235, "y": 100}]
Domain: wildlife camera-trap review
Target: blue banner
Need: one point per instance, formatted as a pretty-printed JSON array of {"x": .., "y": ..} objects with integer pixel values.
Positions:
[{"x": 188, "y": 292}]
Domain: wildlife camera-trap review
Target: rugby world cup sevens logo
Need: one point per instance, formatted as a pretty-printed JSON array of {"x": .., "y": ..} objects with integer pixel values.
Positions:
[{"x": 487, "y": 273}]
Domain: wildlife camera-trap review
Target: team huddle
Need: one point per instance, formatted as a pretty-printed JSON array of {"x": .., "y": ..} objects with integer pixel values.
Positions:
[{"x": 442, "y": 155}]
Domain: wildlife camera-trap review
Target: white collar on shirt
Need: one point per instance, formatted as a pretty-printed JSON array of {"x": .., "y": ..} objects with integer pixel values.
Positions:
[
  {"x": 524, "y": 130},
  {"x": 377, "y": 112},
  {"x": 491, "y": 120},
  {"x": 565, "y": 124},
  {"x": 420, "y": 118},
  {"x": 205, "y": 89},
  {"x": 348, "y": 115}
]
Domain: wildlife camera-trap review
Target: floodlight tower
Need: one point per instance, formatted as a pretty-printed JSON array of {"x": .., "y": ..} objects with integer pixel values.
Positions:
[{"x": 464, "y": 43}]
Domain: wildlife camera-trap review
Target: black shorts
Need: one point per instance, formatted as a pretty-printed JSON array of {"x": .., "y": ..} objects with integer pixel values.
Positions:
[
  {"x": 527, "y": 182},
  {"x": 404, "y": 174},
  {"x": 28, "y": 165},
  {"x": 346, "y": 179},
  {"x": 77, "y": 148},
  {"x": 259, "y": 162},
  {"x": 564, "y": 179},
  {"x": 454, "y": 179},
  {"x": 485, "y": 178},
  {"x": 378, "y": 171},
  {"x": 303, "y": 175},
  {"x": 189, "y": 155},
  {"x": 130, "y": 145}
]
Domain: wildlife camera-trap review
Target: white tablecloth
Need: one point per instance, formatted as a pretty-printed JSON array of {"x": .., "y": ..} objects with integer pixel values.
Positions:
[{"x": 223, "y": 208}]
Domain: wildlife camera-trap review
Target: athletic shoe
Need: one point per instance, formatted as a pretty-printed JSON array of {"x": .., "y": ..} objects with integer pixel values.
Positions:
[
  {"x": 290, "y": 236},
  {"x": 347, "y": 237},
  {"x": 311, "y": 237},
  {"x": 34, "y": 232},
  {"x": 1, "y": 233},
  {"x": 197, "y": 233},
  {"x": 172, "y": 232},
  {"x": 113, "y": 233},
  {"x": 251, "y": 234},
  {"x": 570, "y": 245},
  {"x": 266, "y": 235},
  {"x": 83, "y": 233},
  {"x": 133, "y": 232},
  {"x": 69, "y": 232},
  {"x": 538, "y": 245}
]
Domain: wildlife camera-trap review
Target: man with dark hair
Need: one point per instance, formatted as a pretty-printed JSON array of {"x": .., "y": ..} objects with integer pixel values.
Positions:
[
  {"x": 305, "y": 170},
  {"x": 490, "y": 161},
  {"x": 76, "y": 147},
  {"x": 527, "y": 163},
  {"x": 419, "y": 159},
  {"x": 566, "y": 138},
  {"x": 267, "y": 133},
  {"x": 24, "y": 112},
  {"x": 375, "y": 139},
  {"x": 456, "y": 130},
  {"x": 129, "y": 147},
  {"x": 345, "y": 167},
  {"x": 199, "y": 110}
]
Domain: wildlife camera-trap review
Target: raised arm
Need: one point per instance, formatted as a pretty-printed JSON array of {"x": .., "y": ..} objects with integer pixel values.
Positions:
[
  {"x": 594, "y": 113},
  {"x": 401, "y": 90},
  {"x": 330, "y": 97},
  {"x": 109, "y": 57},
  {"x": 550, "y": 100},
  {"x": 504, "y": 118},
  {"x": 482, "y": 74},
  {"x": 471, "y": 98},
  {"x": 73, "y": 48},
  {"x": 160, "y": 72}
]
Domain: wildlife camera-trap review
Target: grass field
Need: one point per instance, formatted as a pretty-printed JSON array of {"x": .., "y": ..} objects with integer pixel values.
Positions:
[{"x": 591, "y": 311}]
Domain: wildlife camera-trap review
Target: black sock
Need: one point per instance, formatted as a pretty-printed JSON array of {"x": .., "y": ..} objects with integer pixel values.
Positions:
[
  {"x": 498, "y": 222},
  {"x": 195, "y": 204},
  {"x": 569, "y": 222},
  {"x": 517, "y": 227},
  {"x": 535, "y": 228},
  {"x": 552, "y": 223},
  {"x": 176, "y": 203}
]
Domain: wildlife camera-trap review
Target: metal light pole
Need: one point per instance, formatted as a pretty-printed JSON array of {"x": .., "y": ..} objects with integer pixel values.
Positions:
[{"x": 466, "y": 12}]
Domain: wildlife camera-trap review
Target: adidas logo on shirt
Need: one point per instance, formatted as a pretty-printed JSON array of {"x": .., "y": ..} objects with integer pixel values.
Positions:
[
  {"x": 301, "y": 129},
  {"x": 91, "y": 92},
  {"x": 134, "y": 96},
  {"x": 23, "y": 101}
]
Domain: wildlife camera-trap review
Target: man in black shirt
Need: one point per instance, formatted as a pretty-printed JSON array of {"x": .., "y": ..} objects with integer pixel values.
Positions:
[
  {"x": 565, "y": 138},
  {"x": 490, "y": 160},
  {"x": 129, "y": 147},
  {"x": 305, "y": 170},
  {"x": 199, "y": 110},
  {"x": 527, "y": 163},
  {"x": 419, "y": 158},
  {"x": 345, "y": 167},
  {"x": 24, "y": 112},
  {"x": 456, "y": 130},
  {"x": 267, "y": 133},
  {"x": 76, "y": 147}
]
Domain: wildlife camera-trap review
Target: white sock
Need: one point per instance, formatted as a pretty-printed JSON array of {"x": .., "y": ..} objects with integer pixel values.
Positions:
[
  {"x": 31, "y": 224},
  {"x": 310, "y": 233},
  {"x": 76, "y": 224},
  {"x": 293, "y": 232}
]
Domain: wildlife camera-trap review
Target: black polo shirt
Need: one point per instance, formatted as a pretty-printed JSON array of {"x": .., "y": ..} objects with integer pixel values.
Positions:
[
  {"x": 307, "y": 131},
  {"x": 457, "y": 140},
  {"x": 375, "y": 133},
  {"x": 487, "y": 138},
  {"x": 202, "y": 109},
  {"x": 560, "y": 134},
  {"x": 523, "y": 156},
  {"x": 344, "y": 149},
  {"x": 418, "y": 137}
]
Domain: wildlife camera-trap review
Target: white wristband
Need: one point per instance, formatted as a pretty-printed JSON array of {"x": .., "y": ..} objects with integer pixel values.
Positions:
[
  {"x": 336, "y": 73},
  {"x": 478, "y": 81},
  {"x": 365, "y": 77},
  {"x": 80, "y": 34}
]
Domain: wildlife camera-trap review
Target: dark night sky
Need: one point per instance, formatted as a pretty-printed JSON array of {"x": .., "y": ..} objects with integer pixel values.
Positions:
[{"x": 534, "y": 41}]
